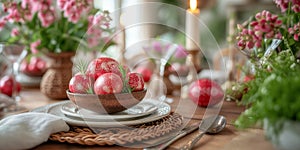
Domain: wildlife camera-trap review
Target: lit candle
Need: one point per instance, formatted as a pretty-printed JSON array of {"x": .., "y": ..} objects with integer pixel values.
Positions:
[{"x": 192, "y": 26}]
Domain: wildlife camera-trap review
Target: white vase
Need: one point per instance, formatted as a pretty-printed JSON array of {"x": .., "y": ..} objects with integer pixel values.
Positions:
[{"x": 288, "y": 138}]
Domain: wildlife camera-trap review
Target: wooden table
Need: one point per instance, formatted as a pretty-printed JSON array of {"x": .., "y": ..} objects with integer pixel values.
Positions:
[{"x": 229, "y": 139}]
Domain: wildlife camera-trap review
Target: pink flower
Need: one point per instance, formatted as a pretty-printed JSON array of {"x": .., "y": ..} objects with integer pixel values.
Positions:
[
  {"x": 14, "y": 15},
  {"x": 241, "y": 44},
  {"x": 278, "y": 23},
  {"x": 2, "y": 23},
  {"x": 258, "y": 44},
  {"x": 157, "y": 46},
  {"x": 97, "y": 19},
  {"x": 283, "y": 4},
  {"x": 95, "y": 30},
  {"x": 291, "y": 30},
  {"x": 270, "y": 35},
  {"x": 69, "y": 13},
  {"x": 295, "y": 31},
  {"x": 25, "y": 3},
  {"x": 34, "y": 46},
  {"x": 246, "y": 38},
  {"x": 250, "y": 44},
  {"x": 47, "y": 17},
  {"x": 28, "y": 15},
  {"x": 296, "y": 8},
  {"x": 296, "y": 37},
  {"x": 36, "y": 6},
  {"x": 4, "y": 7},
  {"x": 61, "y": 3},
  {"x": 74, "y": 18},
  {"x": 15, "y": 32},
  {"x": 90, "y": 21},
  {"x": 180, "y": 52},
  {"x": 265, "y": 26},
  {"x": 73, "y": 9},
  {"x": 92, "y": 41},
  {"x": 278, "y": 36}
]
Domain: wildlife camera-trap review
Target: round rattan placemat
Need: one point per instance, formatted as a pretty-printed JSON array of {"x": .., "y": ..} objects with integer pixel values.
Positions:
[{"x": 120, "y": 135}]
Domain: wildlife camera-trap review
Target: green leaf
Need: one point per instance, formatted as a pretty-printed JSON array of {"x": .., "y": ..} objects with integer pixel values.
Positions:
[
  {"x": 126, "y": 87},
  {"x": 82, "y": 66},
  {"x": 273, "y": 94}
]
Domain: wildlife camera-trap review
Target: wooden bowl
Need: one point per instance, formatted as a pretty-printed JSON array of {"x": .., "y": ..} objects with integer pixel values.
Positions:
[{"x": 108, "y": 103}]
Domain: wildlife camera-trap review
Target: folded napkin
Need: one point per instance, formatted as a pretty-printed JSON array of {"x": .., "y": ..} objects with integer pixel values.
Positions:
[{"x": 27, "y": 130}]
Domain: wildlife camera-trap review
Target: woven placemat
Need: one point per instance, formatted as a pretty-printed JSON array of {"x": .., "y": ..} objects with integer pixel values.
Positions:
[{"x": 120, "y": 135}]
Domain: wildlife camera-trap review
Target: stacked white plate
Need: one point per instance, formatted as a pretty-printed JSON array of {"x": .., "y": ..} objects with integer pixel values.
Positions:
[{"x": 147, "y": 110}]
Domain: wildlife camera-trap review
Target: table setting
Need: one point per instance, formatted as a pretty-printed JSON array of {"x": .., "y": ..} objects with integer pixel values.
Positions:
[
  {"x": 129, "y": 119},
  {"x": 102, "y": 75}
]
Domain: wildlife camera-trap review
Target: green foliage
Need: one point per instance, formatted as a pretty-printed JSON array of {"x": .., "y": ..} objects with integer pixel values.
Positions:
[
  {"x": 90, "y": 90},
  {"x": 81, "y": 66},
  {"x": 126, "y": 87},
  {"x": 274, "y": 93}
]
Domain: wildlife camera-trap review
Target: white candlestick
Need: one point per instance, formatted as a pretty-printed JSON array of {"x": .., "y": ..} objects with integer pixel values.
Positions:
[{"x": 192, "y": 28}]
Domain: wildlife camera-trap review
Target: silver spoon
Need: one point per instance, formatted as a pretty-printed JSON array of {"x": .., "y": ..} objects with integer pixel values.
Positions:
[{"x": 211, "y": 125}]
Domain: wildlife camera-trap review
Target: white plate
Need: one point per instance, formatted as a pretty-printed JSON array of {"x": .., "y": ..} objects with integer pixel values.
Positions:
[
  {"x": 142, "y": 109},
  {"x": 163, "y": 109}
]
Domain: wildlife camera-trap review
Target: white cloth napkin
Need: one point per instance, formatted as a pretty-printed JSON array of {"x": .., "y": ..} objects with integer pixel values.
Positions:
[{"x": 27, "y": 130}]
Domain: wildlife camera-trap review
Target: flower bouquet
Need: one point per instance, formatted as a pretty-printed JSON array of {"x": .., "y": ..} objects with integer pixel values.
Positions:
[
  {"x": 265, "y": 31},
  {"x": 272, "y": 44},
  {"x": 57, "y": 29},
  {"x": 56, "y": 26}
]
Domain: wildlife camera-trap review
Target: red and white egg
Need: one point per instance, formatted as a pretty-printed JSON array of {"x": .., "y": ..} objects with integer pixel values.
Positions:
[
  {"x": 136, "y": 81},
  {"x": 7, "y": 85},
  {"x": 104, "y": 76},
  {"x": 81, "y": 83},
  {"x": 205, "y": 92},
  {"x": 108, "y": 83},
  {"x": 146, "y": 73},
  {"x": 103, "y": 65}
]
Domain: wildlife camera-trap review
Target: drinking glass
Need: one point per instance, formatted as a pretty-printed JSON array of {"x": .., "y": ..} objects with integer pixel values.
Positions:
[
  {"x": 157, "y": 83},
  {"x": 14, "y": 53}
]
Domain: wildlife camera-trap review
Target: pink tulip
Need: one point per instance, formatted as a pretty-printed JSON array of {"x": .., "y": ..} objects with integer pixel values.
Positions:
[
  {"x": 157, "y": 46},
  {"x": 270, "y": 35},
  {"x": 278, "y": 23},
  {"x": 258, "y": 44},
  {"x": 283, "y": 4},
  {"x": 92, "y": 41},
  {"x": 34, "y": 46},
  {"x": 97, "y": 20},
  {"x": 61, "y": 3},
  {"x": 25, "y": 4},
  {"x": 278, "y": 36},
  {"x": 46, "y": 18},
  {"x": 2, "y": 24},
  {"x": 254, "y": 23},
  {"x": 296, "y": 8},
  {"x": 291, "y": 30},
  {"x": 296, "y": 37},
  {"x": 180, "y": 52},
  {"x": 250, "y": 44},
  {"x": 15, "y": 32}
]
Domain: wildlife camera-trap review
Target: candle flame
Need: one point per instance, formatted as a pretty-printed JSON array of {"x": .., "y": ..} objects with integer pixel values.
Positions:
[{"x": 193, "y": 4}]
